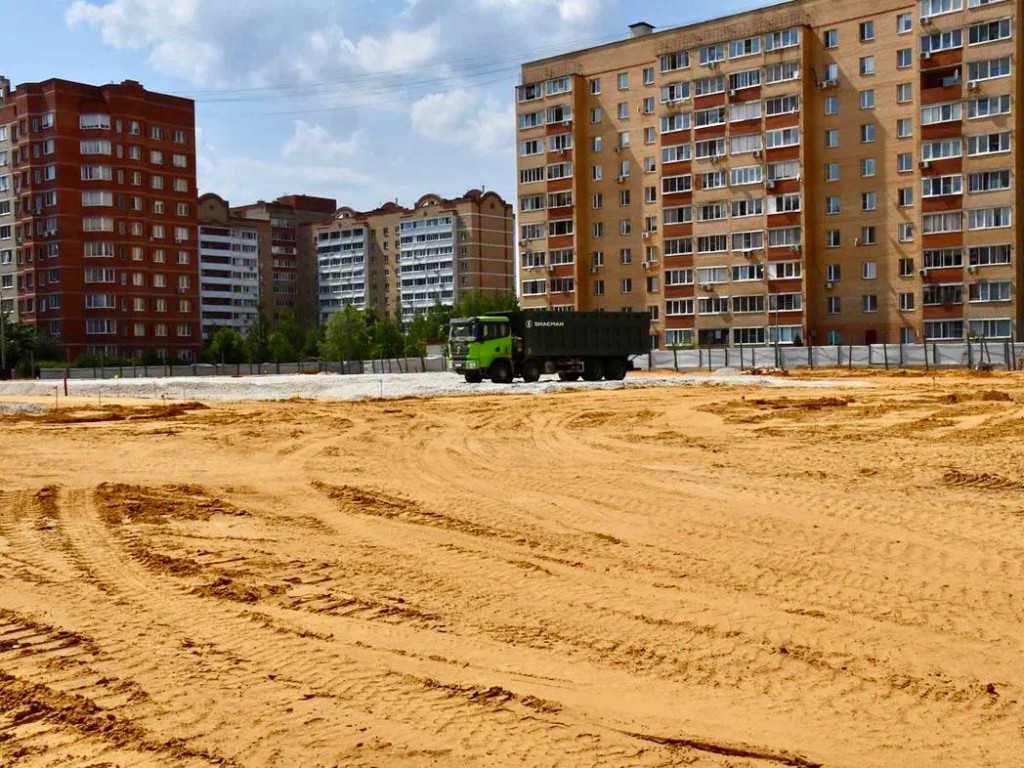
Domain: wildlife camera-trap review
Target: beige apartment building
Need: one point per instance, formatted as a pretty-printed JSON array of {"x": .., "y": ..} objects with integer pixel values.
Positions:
[
  {"x": 404, "y": 260},
  {"x": 810, "y": 172}
]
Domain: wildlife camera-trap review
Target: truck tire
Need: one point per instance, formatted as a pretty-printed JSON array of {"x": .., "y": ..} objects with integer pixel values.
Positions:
[
  {"x": 473, "y": 377},
  {"x": 593, "y": 369},
  {"x": 615, "y": 369},
  {"x": 531, "y": 371},
  {"x": 501, "y": 372},
  {"x": 568, "y": 376}
]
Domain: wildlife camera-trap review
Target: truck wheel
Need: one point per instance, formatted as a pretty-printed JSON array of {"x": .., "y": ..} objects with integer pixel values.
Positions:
[
  {"x": 593, "y": 370},
  {"x": 615, "y": 369},
  {"x": 501, "y": 372},
  {"x": 568, "y": 376},
  {"x": 531, "y": 371},
  {"x": 473, "y": 377}
]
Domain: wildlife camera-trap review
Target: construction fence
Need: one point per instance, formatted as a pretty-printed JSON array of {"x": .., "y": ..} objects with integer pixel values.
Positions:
[{"x": 996, "y": 354}]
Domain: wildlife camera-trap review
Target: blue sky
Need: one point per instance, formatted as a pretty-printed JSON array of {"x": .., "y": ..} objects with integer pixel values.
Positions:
[{"x": 361, "y": 100}]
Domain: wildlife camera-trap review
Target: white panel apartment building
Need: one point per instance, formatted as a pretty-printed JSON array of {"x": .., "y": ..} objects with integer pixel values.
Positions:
[
  {"x": 229, "y": 274},
  {"x": 342, "y": 268}
]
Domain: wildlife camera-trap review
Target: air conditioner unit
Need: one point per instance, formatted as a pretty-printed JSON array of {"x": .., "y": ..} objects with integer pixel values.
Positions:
[
  {"x": 645, "y": 265},
  {"x": 925, "y": 164},
  {"x": 926, "y": 20},
  {"x": 593, "y": 270},
  {"x": 707, "y": 287},
  {"x": 823, "y": 84},
  {"x": 757, "y": 153},
  {"x": 972, "y": 268},
  {"x": 523, "y": 243},
  {"x": 829, "y": 285},
  {"x": 646, "y": 235},
  {"x": 795, "y": 248},
  {"x": 732, "y": 92},
  {"x": 769, "y": 184},
  {"x": 617, "y": 148},
  {"x": 620, "y": 179},
  {"x": 551, "y": 267},
  {"x": 926, "y": 54},
  {"x": 973, "y": 85},
  {"x": 923, "y": 271}
]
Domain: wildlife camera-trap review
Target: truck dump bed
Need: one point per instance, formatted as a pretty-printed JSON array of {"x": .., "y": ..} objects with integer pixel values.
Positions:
[{"x": 581, "y": 334}]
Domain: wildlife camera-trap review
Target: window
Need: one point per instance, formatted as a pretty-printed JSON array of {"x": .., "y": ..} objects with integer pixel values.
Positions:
[
  {"x": 905, "y": 232},
  {"x": 746, "y": 47},
  {"x": 832, "y": 172},
  {"x": 95, "y": 147},
  {"x": 988, "y": 181},
  {"x": 831, "y": 38},
  {"x": 869, "y": 303},
  {"x": 595, "y": 115},
  {"x": 626, "y": 285},
  {"x": 868, "y": 235},
  {"x": 989, "y": 107},
  {"x": 867, "y": 167},
  {"x": 933, "y": 223},
  {"x": 988, "y": 32},
  {"x": 782, "y": 105},
  {"x": 595, "y": 86},
  {"x": 869, "y": 270},
  {"x": 867, "y": 65},
  {"x": 906, "y": 302},
  {"x": 747, "y": 78},
  {"x": 623, "y": 110},
  {"x": 938, "y": 186},
  {"x": 989, "y": 255},
  {"x": 989, "y": 218},
  {"x": 751, "y": 174},
  {"x": 905, "y": 197},
  {"x": 867, "y": 99},
  {"x": 787, "y": 38},
  {"x": 904, "y": 93},
  {"x": 742, "y": 208},
  {"x": 710, "y": 54},
  {"x": 988, "y": 70},
  {"x": 990, "y": 329},
  {"x": 867, "y": 31},
  {"x": 94, "y": 121},
  {"x": 831, "y": 105},
  {"x": 832, "y": 205},
  {"x": 905, "y": 162},
  {"x": 950, "y": 293},
  {"x": 750, "y": 110},
  {"x": 904, "y": 23},
  {"x": 777, "y": 73},
  {"x": 943, "y": 258},
  {"x": 904, "y": 128},
  {"x": 648, "y": 75},
  {"x": 867, "y": 133},
  {"x": 989, "y": 143},
  {"x": 943, "y": 329},
  {"x": 942, "y": 113},
  {"x": 156, "y": 157},
  {"x": 784, "y": 137},
  {"x": 673, "y": 61},
  {"x": 868, "y": 201},
  {"x": 984, "y": 291},
  {"x": 942, "y": 41},
  {"x": 833, "y": 305},
  {"x": 155, "y": 132}
]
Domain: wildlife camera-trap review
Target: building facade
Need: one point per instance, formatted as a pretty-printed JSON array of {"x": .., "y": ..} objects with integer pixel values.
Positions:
[
  {"x": 404, "y": 260},
  {"x": 98, "y": 217},
  {"x": 229, "y": 267},
  {"x": 288, "y": 266},
  {"x": 806, "y": 172}
]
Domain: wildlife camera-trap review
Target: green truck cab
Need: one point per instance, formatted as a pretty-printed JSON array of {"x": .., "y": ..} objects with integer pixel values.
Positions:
[
  {"x": 588, "y": 345},
  {"x": 476, "y": 343}
]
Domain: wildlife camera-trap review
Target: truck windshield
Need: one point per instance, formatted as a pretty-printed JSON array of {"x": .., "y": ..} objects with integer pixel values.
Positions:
[{"x": 463, "y": 330}]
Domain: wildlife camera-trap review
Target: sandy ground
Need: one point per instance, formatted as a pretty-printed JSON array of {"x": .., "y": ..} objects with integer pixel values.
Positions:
[{"x": 672, "y": 575}]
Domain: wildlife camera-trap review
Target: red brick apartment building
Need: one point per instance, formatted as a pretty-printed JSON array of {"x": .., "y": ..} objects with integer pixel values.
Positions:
[
  {"x": 98, "y": 217},
  {"x": 812, "y": 171}
]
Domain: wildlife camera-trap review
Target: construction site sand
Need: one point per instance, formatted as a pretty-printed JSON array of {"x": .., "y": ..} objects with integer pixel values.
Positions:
[{"x": 711, "y": 576}]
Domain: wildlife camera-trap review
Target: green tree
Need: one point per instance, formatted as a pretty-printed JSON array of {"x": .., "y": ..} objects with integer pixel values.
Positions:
[
  {"x": 280, "y": 347},
  {"x": 227, "y": 346},
  {"x": 388, "y": 340},
  {"x": 347, "y": 336},
  {"x": 26, "y": 346},
  {"x": 257, "y": 343}
]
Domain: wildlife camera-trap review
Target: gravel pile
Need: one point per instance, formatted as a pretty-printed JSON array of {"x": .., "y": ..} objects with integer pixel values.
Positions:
[
  {"x": 363, "y": 386},
  {"x": 6, "y": 408}
]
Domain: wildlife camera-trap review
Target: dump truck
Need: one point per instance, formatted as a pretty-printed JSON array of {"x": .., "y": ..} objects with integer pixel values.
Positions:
[{"x": 590, "y": 345}]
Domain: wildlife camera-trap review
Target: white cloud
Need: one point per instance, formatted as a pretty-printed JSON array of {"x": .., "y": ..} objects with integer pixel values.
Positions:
[
  {"x": 316, "y": 142},
  {"x": 462, "y": 117},
  {"x": 398, "y": 51}
]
